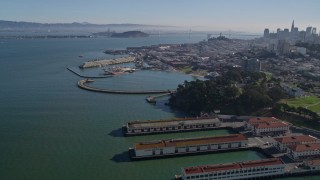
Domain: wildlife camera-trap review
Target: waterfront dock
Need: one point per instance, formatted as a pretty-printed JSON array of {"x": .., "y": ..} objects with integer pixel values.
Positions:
[
  {"x": 188, "y": 146},
  {"x": 83, "y": 85},
  {"x": 106, "y": 62},
  {"x": 171, "y": 125},
  {"x": 152, "y": 99}
]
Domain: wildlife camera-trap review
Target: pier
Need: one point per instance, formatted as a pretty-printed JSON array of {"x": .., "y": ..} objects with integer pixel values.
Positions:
[
  {"x": 78, "y": 74},
  {"x": 83, "y": 85},
  {"x": 152, "y": 99},
  {"x": 170, "y": 126},
  {"x": 186, "y": 146}
]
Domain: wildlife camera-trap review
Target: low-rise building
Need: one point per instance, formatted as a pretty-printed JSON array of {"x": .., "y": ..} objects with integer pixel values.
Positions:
[
  {"x": 271, "y": 129},
  {"x": 313, "y": 165},
  {"x": 304, "y": 151},
  {"x": 188, "y": 146},
  {"x": 266, "y": 168},
  {"x": 283, "y": 142},
  {"x": 259, "y": 120}
]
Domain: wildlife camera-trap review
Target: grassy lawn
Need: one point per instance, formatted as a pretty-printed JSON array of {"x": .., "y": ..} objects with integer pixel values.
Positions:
[
  {"x": 186, "y": 69},
  {"x": 310, "y": 102}
]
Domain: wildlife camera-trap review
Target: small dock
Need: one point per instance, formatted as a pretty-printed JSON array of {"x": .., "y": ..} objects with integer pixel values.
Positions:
[{"x": 152, "y": 99}]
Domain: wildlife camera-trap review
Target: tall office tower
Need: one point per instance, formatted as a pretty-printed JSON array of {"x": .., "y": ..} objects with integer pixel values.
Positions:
[
  {"x": 308, "y": 30},
  {"x": 292, "y": 26},
  {"x": 266, "y": 33},
  {"x": 314, "y": 30},
  {"x": 251, "y": 65},
  {"x": 278, "y": 30},
  {"x": 302, "y": 36}
]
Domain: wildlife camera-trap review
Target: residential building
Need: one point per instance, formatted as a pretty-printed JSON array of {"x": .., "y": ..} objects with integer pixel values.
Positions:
[
  {"x": 271, "y": 129},
  {"x": 283, "y": 142},
  {"x": 313, "y": 164},
  {"x": 304, "y": 151},
  {"x": 252, "y": 65},
  {"x": 259, "y": 120}
]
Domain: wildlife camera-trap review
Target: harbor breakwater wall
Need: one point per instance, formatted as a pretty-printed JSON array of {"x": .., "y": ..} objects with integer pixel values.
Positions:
[{"x": 83, "y": 85}]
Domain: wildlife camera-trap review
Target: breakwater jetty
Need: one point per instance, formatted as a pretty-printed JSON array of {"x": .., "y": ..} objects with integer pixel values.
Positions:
[
  {"x": 83, "y": 85},
  {"x": 106, "y": 62},
  {"x": 78, "y": 74}
]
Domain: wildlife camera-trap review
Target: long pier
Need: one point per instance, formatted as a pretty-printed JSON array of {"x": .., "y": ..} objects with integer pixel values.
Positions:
[{"x": 83, "y": 85}]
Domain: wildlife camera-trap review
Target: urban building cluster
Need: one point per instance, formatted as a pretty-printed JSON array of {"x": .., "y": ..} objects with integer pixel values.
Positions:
[
  {"x": 286, "y": 54},
  {"x": 283, "y": 41},
  {"x": 203, "y": 58}
]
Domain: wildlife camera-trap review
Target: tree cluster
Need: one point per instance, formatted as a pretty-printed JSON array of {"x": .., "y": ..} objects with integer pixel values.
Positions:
[{"x": 236, "y": 92}]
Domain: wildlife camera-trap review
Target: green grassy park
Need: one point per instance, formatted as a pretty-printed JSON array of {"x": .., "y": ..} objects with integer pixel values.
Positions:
[{"x": 311, "y": 102}]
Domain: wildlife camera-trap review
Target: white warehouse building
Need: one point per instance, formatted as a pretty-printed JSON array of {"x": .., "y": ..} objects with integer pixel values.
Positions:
[{"x": 187, "y": 146}]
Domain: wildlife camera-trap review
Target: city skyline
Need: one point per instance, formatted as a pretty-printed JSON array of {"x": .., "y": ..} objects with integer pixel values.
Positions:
[{"x": 245, "y": 15}]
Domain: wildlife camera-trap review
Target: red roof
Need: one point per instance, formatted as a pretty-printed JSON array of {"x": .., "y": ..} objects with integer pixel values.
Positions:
[
  {"x": 304, "y": 147},
  {"x": 231, "y": 166},
  {"x": 296, "y": 139},
  {"x": 315, "y": 162},
  {"x": 271, "y": 125},
  {"x": 258, "y": 120}
]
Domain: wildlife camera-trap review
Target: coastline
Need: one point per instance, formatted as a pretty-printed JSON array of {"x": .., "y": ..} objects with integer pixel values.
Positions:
[{"x": 106, "y": 62}]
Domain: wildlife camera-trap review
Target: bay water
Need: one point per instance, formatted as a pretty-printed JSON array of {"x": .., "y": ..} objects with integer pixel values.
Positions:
[{"x": 51, "y": 129}]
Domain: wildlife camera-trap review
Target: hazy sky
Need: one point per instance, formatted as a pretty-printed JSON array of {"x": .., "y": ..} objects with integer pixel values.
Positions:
[{"x": 244, "y": 15}]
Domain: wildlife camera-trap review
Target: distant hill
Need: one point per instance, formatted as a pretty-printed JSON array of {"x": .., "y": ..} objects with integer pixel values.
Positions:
[
  {"x": 127, "y": 34},
  {"x": 21, "y": 24},
  {"x": 130, "y": 34},
  {"x": 14, "y": 28}
]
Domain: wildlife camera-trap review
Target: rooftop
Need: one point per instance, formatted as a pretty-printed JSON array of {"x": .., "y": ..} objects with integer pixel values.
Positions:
[
  {"x": 257, "y": 120},
  {"x": 231, "y": 166},
  {"x": 314, "y": 162},
  {"x": 189, "y": 142},
  {"x": 304, "y": 147},
  {"x": 171, "y": 122},
  {"x": 271, "y": 125},
  {"x": 297, "y": 138}
]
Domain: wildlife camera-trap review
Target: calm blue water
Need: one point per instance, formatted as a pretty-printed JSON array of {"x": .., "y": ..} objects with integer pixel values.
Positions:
[{"x": 51, "y": 129}]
